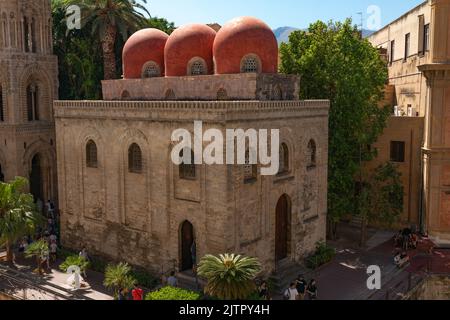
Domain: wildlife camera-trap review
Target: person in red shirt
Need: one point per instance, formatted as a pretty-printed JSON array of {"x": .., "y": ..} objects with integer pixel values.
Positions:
[{"x": 137, "y": 293}]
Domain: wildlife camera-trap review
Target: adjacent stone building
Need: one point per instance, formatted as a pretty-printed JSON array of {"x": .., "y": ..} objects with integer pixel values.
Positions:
[
  {"x": 28, "y": 86},
  {"x": 417, "y": 48},
  {"x": 123, "y": 197}
]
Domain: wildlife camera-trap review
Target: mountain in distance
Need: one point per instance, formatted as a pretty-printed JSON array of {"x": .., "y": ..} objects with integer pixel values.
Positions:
[{"x": 282, "y": 33}]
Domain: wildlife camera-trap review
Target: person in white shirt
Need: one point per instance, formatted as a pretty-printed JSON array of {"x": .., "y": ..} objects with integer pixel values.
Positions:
[
  {"x": 172, "y": 280},
  {"x": 291, "y": 293}
]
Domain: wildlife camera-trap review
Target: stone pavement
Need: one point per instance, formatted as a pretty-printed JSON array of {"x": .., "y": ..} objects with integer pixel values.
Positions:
[
  {"x": 345, "y": 277},
  {"x": 52, "y": 286}
]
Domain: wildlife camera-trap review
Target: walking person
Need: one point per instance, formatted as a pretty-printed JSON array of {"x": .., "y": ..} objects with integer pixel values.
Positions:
[
  {"x": 84, "y": 254},
  {"x": 291, "y": 293},
  {"x": 53, "y": 250},
  {"x": 137, "y": 293},
  {"x": 194, "y": 254},
  {"x": 264, "y": 291},
  {"x": 312, "y": 290},
  {"x": 301, "y": 287},
  {"x": 172, "y": 281}
]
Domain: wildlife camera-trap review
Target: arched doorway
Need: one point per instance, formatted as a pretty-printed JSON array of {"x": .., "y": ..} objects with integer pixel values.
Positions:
[
  {"x": 2, "y": 175},
  {"x": 186, "y": 242},
  {"x": 36, "y": 188},
  {"x": 282, "y": 228}
]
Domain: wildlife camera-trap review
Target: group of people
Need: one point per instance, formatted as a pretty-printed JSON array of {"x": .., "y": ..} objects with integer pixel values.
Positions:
[
  {"x": 300, "y": 289},
  {"x": 47, "y": 233},
  {"x": 404, "y": 240},
  {"x": 137, "y": 294}
]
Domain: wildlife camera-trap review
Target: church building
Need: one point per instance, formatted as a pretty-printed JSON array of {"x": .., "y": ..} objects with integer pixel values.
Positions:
[
  {"x": 28, "y": 87},
  {"x": 122, "y": 196}
]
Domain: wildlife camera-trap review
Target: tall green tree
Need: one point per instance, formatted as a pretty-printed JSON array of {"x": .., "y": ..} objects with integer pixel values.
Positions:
[
  {"x": 107, "y": 19},
  {"x": 79, "y": 52},
  {"x": 230, "y": 276},
  {"x": 335, "y": 63},
  {"x": 161, "y": 24},
  {"x": 381, "y": 197},
  {"x": 18, "y": 214}
]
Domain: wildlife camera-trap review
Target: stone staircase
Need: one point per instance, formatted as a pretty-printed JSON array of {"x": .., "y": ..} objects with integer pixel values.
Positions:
[
  {"x": 356, "y": 221},
  {"x": 286, "y": 272},
  {"x": 187, "y": 280}
]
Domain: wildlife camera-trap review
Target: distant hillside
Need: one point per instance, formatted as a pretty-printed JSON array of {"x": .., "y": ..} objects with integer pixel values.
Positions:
[{"x": 282, "y": 33}]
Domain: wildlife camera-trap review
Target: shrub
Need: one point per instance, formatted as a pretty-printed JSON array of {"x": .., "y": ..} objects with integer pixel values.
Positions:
[
  {"x": 171, "y": 293},
  {"x": 145, "y": 279},
  {"x": 323, "y": 255},
  {"x": 98, "y": 265},
  {"x": 74, "y": 260}
]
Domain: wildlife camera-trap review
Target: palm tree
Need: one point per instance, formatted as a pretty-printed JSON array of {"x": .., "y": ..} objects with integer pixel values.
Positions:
[
  {"x": 108, "y": 18},
  {"x": 118, "y": 277},
  {"x": 18, "y": 214},
  {"x": 230, "y": 276},
  {"x": 38, "y": 249}
]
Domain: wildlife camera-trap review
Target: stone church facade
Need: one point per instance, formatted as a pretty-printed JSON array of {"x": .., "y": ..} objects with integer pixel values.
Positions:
[
  {"x": 28, "y": 87},
  {"x": 123, "y": 197}
]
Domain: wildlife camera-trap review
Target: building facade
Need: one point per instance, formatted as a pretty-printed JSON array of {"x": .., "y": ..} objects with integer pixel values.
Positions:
[
  {"x": 28, "y": 86},
  {"x": 122, "y": 196},
  {"x": 417, "y": 47}
]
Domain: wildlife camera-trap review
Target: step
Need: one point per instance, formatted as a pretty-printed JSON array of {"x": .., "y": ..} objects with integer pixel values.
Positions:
[{"x": 187, "y": 280}]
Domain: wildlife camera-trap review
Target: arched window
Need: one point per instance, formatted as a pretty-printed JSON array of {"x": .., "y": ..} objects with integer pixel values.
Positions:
[
  {"x": 250, "y": 168},
  {"x": 170, "y": 94},
  {"x": 312, "y": 154},
  {"x": 277, "y": 94},
  {"x": 222, "y": 94},
  {"x": 151, "y": 70},
  {"x": 187, "y": 170},
  {"x": 33, "y": 102},
  {"x": 197, "y": 68},
  {"x": 284, "y": 159},
  {"x": 2, "y": 105},
  {"x": 250, "y": 64},
  {"x": 125, "y": 95},
  {"x": 91, "y": 155},
  {"x": 134, "y": 159}
]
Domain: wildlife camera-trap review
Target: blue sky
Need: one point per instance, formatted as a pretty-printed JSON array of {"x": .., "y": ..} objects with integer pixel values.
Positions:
[{"x": 277, "y": 13}]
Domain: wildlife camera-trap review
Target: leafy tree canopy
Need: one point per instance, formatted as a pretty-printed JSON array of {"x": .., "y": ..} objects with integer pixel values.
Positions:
[{"x": 335, "y": 63}]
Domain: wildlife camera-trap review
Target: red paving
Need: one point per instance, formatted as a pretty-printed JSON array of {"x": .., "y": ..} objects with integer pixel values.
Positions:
[{"x": 425, "y": 258}]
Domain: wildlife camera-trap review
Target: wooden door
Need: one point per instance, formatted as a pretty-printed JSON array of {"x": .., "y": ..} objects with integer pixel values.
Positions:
[
  {"x": 282, "y": 229},
  {"x": 187, "y": 239}
]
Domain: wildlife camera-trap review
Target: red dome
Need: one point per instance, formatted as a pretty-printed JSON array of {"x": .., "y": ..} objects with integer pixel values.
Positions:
[
  {"x": 241, "y": 37},
  {"x": 143, "y": 46},
  {"x": 188, "y": 42}
]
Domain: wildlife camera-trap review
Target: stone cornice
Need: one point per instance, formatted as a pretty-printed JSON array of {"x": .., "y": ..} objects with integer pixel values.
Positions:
[
  {"x": 195, "y": 105},
  {"x": 182, "y": 111}
]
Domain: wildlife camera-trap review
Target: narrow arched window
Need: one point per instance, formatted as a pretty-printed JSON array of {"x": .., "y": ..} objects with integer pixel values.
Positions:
[
  {"x": 151, "y": 70},
  {"x": 170, "y": 94},
  {"x": 134, "y": 159},
  {"x": 277, "y": 94},
  {"x": 197, "y": 68},
  {"x": 250, "y": 64},
  {"x": 33, "y": 102},
  {"x": 222, "y": 94},
  {"x": 284, "y": 159},
  {"x": 125, "y": 95},
  {"x": 2, "y": 105},
  {"x": 312, "y": 154},
  {"x": 187, "y": 168},
  {"x": 91, "y": 155},
  {"x": 250, "y": 167}
]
